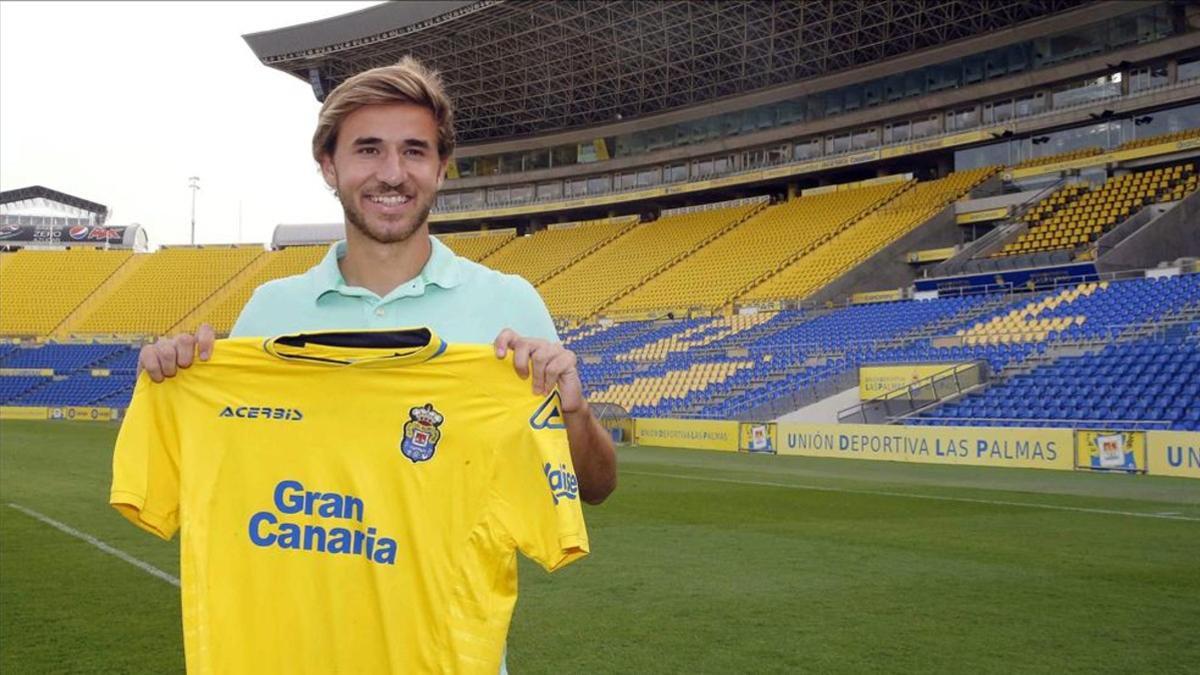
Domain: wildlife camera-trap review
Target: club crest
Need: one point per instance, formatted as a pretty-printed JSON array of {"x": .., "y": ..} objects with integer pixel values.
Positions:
[{"x": 421, "y": 433}]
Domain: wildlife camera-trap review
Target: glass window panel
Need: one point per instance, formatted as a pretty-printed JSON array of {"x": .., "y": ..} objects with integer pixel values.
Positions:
[
  {"x": 522, "y": 193},
  {"x": 852, "y": 97},
  {"x": 893, "y": 88},
  {"x": 537, "y": 159},
  {"x": 972, "y": 70},
  {"x": 814, "y": 107},
  {"x": 1189, "y": 69},
  {"x": 565, "y": 155},
  {"x": 1027, "y": 106},
  {"x": 925, "y": 127},
  {"x": 599, "y": 184},
  {"x": 866, "y": 139},
  {"x": 873, "y": 93},
  {"x": 833, "y": 102}
]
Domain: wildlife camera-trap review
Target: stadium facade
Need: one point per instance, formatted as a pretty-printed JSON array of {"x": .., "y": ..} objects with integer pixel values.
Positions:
[{"x": 922, "y": 213}]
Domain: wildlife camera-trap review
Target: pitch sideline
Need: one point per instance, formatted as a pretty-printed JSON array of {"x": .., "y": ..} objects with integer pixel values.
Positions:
[
  {"x": 116, "y": 552},
  {"x": 908, "y": 495}
]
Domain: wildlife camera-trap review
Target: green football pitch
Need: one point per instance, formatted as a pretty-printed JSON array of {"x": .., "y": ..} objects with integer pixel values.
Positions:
[{"x": 701, "y": 562}]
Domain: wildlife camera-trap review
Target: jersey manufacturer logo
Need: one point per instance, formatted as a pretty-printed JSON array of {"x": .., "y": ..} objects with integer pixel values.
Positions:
[
  {"x": 563, "y": 483},
  {"x": 549, "y": 414},
  {"x": 251, "y": 412},
  {"x": 421, "y": 433}
]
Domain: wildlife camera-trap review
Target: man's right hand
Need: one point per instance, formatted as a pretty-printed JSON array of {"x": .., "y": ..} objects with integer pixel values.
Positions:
[{"x": 166, "y": 356}]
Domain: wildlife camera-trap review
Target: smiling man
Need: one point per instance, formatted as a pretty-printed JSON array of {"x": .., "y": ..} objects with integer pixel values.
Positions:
[{"x": 384, "y": 138}]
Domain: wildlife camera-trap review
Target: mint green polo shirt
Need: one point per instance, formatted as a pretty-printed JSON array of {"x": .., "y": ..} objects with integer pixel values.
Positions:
[{"x": 461, "y": 300}]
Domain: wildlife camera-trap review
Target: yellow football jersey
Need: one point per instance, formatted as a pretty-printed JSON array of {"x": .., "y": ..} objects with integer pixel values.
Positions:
[{"x": 350, "y": 502}]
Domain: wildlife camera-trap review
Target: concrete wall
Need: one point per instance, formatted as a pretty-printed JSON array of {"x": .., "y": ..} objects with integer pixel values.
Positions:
[
  {"x": 825, "y": 410},
  {"x": 1172, "y": 235},
  {"x": 996, "y": 202},
  {"x": 889, "y": 268}
]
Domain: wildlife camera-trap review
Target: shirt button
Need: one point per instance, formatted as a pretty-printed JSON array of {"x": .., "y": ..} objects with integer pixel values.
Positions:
[{"x": 379, "y": 312}]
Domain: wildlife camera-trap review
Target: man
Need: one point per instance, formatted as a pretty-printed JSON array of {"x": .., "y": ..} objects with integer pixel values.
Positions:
[{"x": 383, "y": 141}]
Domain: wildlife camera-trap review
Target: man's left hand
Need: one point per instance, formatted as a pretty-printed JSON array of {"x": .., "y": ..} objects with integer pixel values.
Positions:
[{"x": 550, "y": 364}]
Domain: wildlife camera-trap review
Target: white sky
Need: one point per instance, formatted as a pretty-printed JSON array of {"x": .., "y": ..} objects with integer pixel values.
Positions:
[{"x": 121, "y": 102}]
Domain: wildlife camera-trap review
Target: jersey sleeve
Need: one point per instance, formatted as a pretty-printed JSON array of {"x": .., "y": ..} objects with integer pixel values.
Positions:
[
  {"x": 537, "y": 491},
  {"x": 145, "y": 485}
]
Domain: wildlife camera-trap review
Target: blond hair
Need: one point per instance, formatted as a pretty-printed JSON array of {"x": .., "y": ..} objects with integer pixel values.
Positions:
[{"x": 408, "y": 81}]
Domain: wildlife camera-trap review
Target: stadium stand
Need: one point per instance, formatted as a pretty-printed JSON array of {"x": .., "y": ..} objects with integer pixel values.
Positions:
[
  {"x": 690, "y": 306},
  {"x": 600, "y": 279},
  {"x": 223, "y": 308},
  {"x": 1143, "y": 384},
  {"x": 477, "y": 245},
  {"x": 865, "y": 237},
  {"x": 543, "y": 254},
  {"x": 166, "y": 287},
  {"x": 40, "y": 288},
  {"x": 712, "y": 276},
  {"x": 1076, "y": 216},
  {"x": 62, "y": 358}
]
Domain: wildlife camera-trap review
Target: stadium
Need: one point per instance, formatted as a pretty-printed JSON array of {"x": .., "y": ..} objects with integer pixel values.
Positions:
[{"x": 892, "y": 305}]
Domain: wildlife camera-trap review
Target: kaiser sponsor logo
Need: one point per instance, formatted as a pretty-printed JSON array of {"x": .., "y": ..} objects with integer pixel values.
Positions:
[{"x": 563, "y": 483}]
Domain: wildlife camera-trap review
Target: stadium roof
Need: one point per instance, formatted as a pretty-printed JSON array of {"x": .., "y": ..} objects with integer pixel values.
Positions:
[
  {"x": 28, "y": 194},
  {"x": 523, "y": 67}
]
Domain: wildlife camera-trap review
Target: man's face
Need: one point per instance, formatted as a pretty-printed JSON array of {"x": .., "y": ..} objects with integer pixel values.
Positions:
[{"x": 386, "y": 169}]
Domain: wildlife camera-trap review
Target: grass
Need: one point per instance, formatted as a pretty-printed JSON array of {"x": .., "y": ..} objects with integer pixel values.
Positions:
[{"x": 703, "y": 562}]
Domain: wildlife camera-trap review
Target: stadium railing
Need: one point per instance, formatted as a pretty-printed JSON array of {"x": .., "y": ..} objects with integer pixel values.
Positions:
[{"x": 917, "y": 396}]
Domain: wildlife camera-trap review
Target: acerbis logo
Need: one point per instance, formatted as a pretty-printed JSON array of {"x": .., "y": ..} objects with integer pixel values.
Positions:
[
  {"x": 563, "y": 483},
  {"x": 251, "y": 412}
]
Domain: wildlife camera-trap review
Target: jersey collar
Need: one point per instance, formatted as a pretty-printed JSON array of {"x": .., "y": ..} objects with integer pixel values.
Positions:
[
  {"x": 442, "y": 270},
  {"x": 400, "y": 346}
]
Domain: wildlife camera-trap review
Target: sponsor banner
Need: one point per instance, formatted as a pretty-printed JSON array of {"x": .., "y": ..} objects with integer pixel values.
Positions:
[
  {"x": 1173, "y": 453},
  {"x": 936, "y": 143},
  {"x": 1069, "y": 165},
  {"x": 877, "y": 296},
  {"x": 758, "y": 437},
  {"x": 932, "y": 254},
  {"x": 26, "y": 372},
  {"x": 876, "y": 382},
  {"x": 81, "y": 413},
  {"x": 1106, "y": 158},
  {"x": 22, "y": 413},
  {"x": 694, "y": 434},
  {"x": 62, "y": 234},
  {"x": 1158, "y": 149},
  {"x": 983, "y": 216},
  {"x": 845, "y": 160},
  {"x": 101, "y": 372},
  {"x": 1106, "y": 450},
  {"x": 964, "y": 446}
]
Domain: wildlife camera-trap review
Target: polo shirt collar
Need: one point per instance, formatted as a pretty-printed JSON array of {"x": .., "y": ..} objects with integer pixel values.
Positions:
[{"x": 442, "y": 269}]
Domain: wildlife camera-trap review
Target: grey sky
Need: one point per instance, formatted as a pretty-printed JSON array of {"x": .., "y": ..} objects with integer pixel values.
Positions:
[{"x": 120, "y": 103}]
